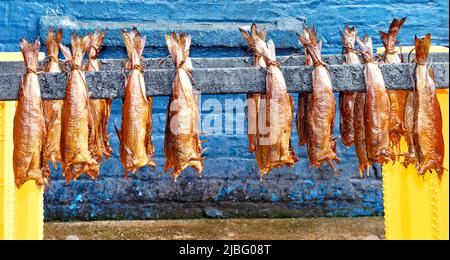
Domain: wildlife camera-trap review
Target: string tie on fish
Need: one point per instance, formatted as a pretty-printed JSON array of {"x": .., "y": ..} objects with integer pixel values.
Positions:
[
  {"x": 318, "y": 63},
  {"x": 33, "y": 71},
  {"x": 137, "y": 67},
  {"x": 273, "y": 63},
  {"x": 188, "y": 71},
  {"x": 349, "y": 49}
]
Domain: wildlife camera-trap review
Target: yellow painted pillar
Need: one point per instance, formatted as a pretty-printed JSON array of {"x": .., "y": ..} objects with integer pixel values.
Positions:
[
  {"x": 7, "y": 110},
  {"x": 22, "y": 211},
  {"x": 417, "y": 207}
]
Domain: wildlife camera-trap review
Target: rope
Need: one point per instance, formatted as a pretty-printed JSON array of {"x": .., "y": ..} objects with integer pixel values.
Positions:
[
  {"x": 30, "y": 70},
  {"x": 349, "y": 49},
  {"x": 188, "y": 72},
  {"x": 273, "y": 63},
  {"x": 318, "y": 63}
]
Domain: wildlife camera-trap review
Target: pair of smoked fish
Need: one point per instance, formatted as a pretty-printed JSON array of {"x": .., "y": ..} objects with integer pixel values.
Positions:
[
  {"x": 182, "y": 145},
  {"x": 270, "y": 115},
  {"x": 70, "y": 131},
  {"x": 376, "y": 121}
]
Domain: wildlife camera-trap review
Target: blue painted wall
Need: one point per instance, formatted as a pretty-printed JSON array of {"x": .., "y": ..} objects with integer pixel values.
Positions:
[{"x": 230, "y": 185}]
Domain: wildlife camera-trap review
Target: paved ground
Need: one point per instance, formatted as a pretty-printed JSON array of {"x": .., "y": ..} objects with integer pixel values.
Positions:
[{"x": 258, "y": 229}]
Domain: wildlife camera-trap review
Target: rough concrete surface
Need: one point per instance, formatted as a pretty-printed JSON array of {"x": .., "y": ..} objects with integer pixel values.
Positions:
[{"x": 231, "y": 229}]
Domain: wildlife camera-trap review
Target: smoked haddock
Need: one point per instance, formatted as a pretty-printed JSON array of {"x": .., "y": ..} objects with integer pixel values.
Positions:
[
  {"x": 301, "y": 121},
  {"x": 274, "y": 110},
  {"x": 29, "y": 132},
  {"x": 76, "y": 116},
  {"x": 182, "y": 145},
  {"x": 100, "y": 108},
  {"x": 397, "y": 98},
  {"x": 429, "y": 118},
  {"x": 135, "y": 135},
  {"x": 53, "y": 108},
  {"x": 321, "y": 107},
  {"x": 376, "y": 108},
  {"x": 347, "y": 99}
]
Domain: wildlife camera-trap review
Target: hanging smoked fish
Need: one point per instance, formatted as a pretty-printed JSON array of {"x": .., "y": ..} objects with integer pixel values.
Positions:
[
  {"x": 360, "y": 134},
  {"x": 321, "y": 107},
  {"x": 275, "y": 109},
  {"x": 429, "y": 117},
  {"x": 76, "y": 116},
  {"x": 376, "y": 109},
  {"x": 301, "y": 121},
  {"x": 182, "y": 145},
  {"x": 347, "y": 99},
  {"x": 253, "y": 99},
  {"x": 136, "y": 147},
  {"x": 53, "y": 108},
  {"x": 29, "y": 125},
  {"x": 100, "y": 108},
  {"x": 411, "y": 138},
  {"x": 397, "y": 97}
]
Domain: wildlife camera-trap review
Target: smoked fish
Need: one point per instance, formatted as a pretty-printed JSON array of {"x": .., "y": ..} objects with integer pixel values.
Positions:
[
  {"x": 321, "y": 107},
  {"x": 301, "y": 121},
  {"x": 397, "y": 97},
  {"x": 275, "y": 109},
  {"x": 100, "y": 108},
  {"x": 76, "y": 116},
  {"x": 429, "y": 117},
  {"x": 53, "y": 108},
  {"x": 182, "y": 145},
  {"x": 347, "y": 99},
  {"x": 29, "y": 131},
  {"x": 135, "y": 135},
  {"x": 376, "y": 108}
]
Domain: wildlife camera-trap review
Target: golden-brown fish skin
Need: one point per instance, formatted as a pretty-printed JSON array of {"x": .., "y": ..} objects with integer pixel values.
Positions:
[
  {"x": 253, "y": 99},
  {"x": 397, "y": 97},
  {"x": 274, "y": 110},
  {"x": 136, "y": 146},
  {"x": 429, "y": 116},
  {"x": 53, "y": 108},
  {"x": 360, "y": 135},
  {"x": 182, "y": 146},
  {"x": 377, "y": 108},
  {"x": 100, "y": 108},
  {"x": 29, "y": 125},
  {"x": 347, "y": 99},
  {"x": 411, "y": 138},
  {"x": 76, "y": 117},
  {"x": 321, "y": 107},
  {"x": 300, "y": 120}
]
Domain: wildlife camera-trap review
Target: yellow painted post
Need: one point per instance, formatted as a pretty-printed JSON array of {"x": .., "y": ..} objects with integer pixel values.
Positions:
[
  {"x": 7, "y": 110},
  {"x": 417, "y": 207},
  {"x": 22, "y": 211}
]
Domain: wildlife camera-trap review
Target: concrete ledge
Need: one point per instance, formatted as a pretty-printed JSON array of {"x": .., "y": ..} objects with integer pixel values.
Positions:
[
  {"x": 206, "y": 34},
  {"x": 109, "y": 84},
  {"x": 229, "y": 62}
]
